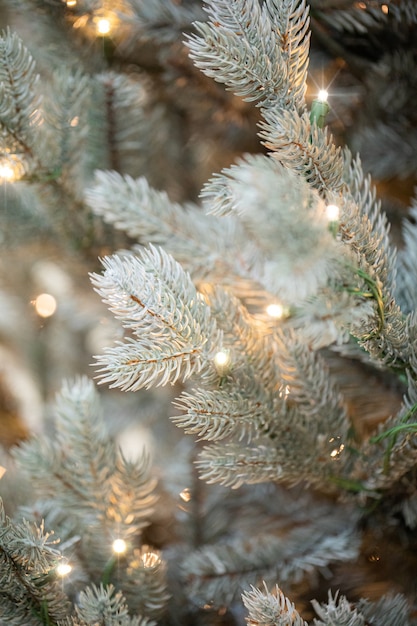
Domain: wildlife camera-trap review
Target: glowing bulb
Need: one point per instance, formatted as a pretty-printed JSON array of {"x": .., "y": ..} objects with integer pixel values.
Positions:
[
  {"x": 384, "y": 9},
  {"x": 332, "y": 212},
  {"x": 74, "y": 121},
  {"x": 6, "y": 172},
  {"x": 222, "y": 361},
  {"x": 284, "y": 391},
  {"x": 11, "y": 169},
  {"x": 185, "y": 495},
  {"x": 45, "y": 305},
  {"x": 71, "y": 3},
  {"x": 150, "y": 559},
  {"x": 221, "y": 358},
  {"x": 275, "y": 310},
  {"x": 119, "y": 546},
  {"x": 335, "y": 453},
  {"x": 103, "y": 26},
  {"x": 63, "y": 569},
  {"x": 2, "y": 471},
  {"x": 323, "y": 95}
]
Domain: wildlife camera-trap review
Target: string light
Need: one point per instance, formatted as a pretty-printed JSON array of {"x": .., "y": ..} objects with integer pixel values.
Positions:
[
  {"x": 284, "y": 391},
  {"x": 384, "y": 9},
  {"x": 323, "y": 95},
  {"x": 185, "y": 495},
  {"x": 150, "y": 559},
  {"x": 11, "y": 169},
  {"x": 119, "y": 546},
  {"x": 332, "y": 212},
  {"x": 71, "y": 3},
  {"x": 275, "y": 310},
  {"x": 336, "y": 452},
  {"x": 63, "y": 569},
  {"x": 222, "y": 361},
  {"x": 45, "y": 305},
  {"x": 6, "y": 172},
  {"x": 319, "y": 109},
  {"x": 222, "y": 357},
  {"x": 103, "y": 24}
]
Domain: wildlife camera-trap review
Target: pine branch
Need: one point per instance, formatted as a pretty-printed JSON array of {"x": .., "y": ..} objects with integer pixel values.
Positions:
[
  {"x": 389, "y": 611},
  {"x": 19, "y": 110},
  {"x": 106, "y": 606},
  {"x": 232, "y": 465},
  {"x": 391, "y": 453},
  {"x": 273, "y": 404},
  {"x": 161, "y": 20},
  {"x": 66, "y": 106},
  {"x": 355, "y": 19},
  {"x": 30, "y": 591},
  {"x": 388, "y": 335},
  {"x": 267, "y": 609},
  {"x": 143, "y": 581},
  {"x": 293, "y": 249},
  {"x": 337, "y": 611},
  {"x": 248, "y": 383},
  {"x": 306, "y": 150},
  {"x": 96, "y": 496},
  {"x": 158, "y": 303},
  {"x": 405, "y": 291},
  {"x": 275, "y": 609},
  {"x": 219, "y": 414},
  {"x": 199, "y": 242},
  {"x": 84, "y": 474},
  {"x": 222, "y": 570},
  {"x": 257, "y": 52},
  {"x": 122, "y": 128},
  {"x": 291, "y": 21}
]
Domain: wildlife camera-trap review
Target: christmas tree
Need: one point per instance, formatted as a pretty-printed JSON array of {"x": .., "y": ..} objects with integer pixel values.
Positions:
[{"x": 244, "y": 448}]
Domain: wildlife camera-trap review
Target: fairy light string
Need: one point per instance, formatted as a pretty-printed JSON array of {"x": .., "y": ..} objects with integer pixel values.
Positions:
[{"x": 319, "y": 109}]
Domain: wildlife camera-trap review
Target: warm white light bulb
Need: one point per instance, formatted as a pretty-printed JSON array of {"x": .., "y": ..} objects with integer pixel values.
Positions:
[
  {"x": 11, "y": 168},
  {"x": 332, "y": 212},
  {"x": 103, "y": 26},
  {"x": 63, "y": 569},
  {"x": 150, "y": 559},
  {"x": 323, "y": 95},
  {"x": 185, "y": 495},
  {"x": 284, "y": 391},
  {"x": 275, "y": 310},
  {"x": 71, "y": 3},
  {"x": 45, "y": 305},
  {"x": 119, "y": 546},
  {"x": 337, "y": 451},
  {"x": 222, "y": 361},
  {"x": 7, "y": 173},
  {"x": 222, "y": 358}
]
